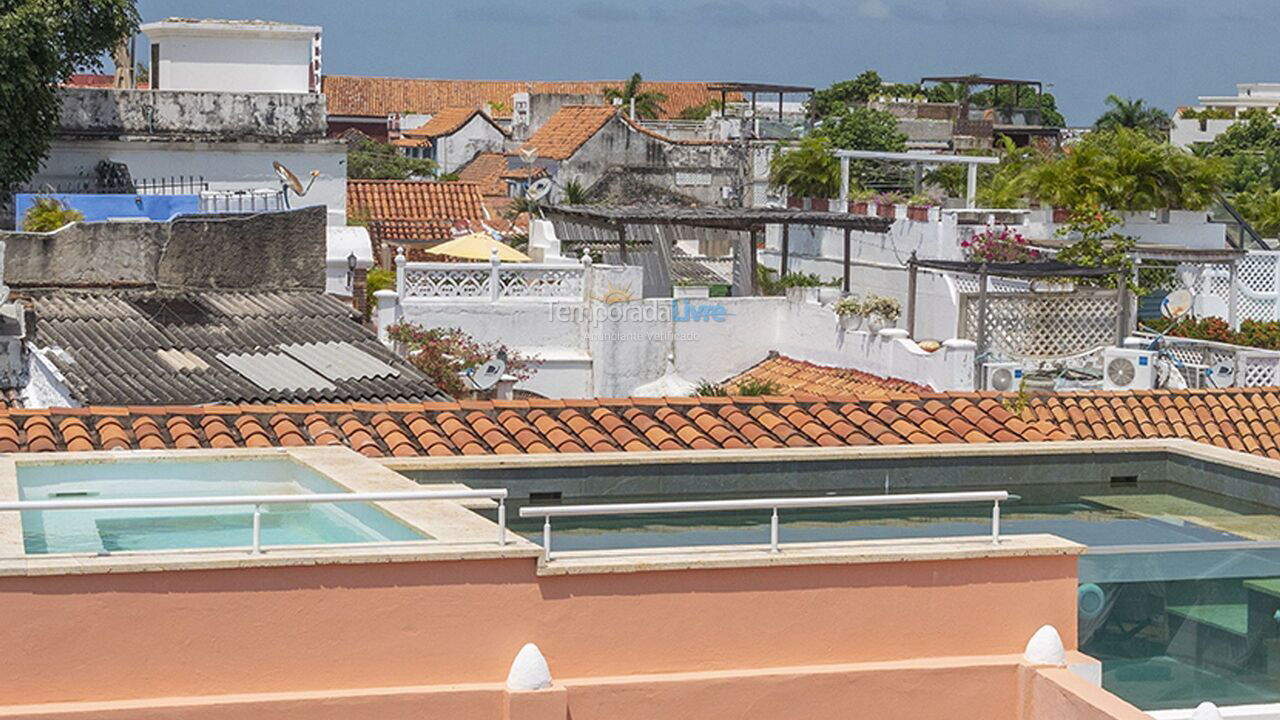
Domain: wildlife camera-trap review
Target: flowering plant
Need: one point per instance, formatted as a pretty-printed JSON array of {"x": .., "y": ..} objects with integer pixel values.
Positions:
[
  {"x": 443, "y": 354},
  {"x": 890, "y": 198},
  {"x": 1005, "y": 246},
  {"x": 886, "y": 308},
  {"x": 848, "y": 306}
]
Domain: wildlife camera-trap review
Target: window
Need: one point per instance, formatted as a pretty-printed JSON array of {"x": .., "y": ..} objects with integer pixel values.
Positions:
[{"x": 155, "y": 66}]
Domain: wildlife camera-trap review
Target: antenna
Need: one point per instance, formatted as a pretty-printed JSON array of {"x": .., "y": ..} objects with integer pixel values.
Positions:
[
  {"x": 289, "y": 181},
  {"x": 1176, "y": 304}
]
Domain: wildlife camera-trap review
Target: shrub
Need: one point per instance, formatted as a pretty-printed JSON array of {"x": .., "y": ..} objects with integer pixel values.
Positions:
[
  {"x": 1252, "y": 333},
  {"x": 378, "y": 279},
  {"x": 755, "y": 386},
  {"x": 848, "y": 306},
  {"x": 443, "y": 354},
  {"x": 1004, "y": 246},
  {"x": 49, "y": 214},
  {"x": 885, "y": 307}
]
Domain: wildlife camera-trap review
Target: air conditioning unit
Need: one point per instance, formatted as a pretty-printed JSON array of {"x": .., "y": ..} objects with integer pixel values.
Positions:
[
  {"x": 1002, "y": 377},
  {"x": 1125, "y": 369}
]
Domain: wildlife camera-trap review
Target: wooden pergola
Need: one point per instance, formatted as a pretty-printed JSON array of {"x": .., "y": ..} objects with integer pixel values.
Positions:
[{"x": 753, "y": 221}]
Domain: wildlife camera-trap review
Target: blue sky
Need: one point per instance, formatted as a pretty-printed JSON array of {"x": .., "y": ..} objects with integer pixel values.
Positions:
[{"x": 1167, "y": 51}]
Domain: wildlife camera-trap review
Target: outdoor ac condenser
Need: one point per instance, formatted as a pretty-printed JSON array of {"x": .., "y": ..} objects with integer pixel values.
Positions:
[
  {"x": 1126, "y": 369},
  {"x": 1002, "y": 377}
]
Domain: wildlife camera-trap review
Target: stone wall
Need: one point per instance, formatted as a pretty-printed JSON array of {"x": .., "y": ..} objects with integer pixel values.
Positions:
[
  {"x": 268, "y": 251},
  {"x": 98, "y": 113}
]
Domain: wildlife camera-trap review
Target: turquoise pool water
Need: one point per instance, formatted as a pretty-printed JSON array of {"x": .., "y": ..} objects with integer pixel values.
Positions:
[{"x": 125, "y": 529}]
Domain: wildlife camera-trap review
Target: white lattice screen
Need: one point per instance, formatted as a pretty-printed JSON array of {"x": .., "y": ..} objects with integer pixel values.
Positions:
[
  {"x": 1257, "y": 283},
  {"x": 1043, "y": 325}
]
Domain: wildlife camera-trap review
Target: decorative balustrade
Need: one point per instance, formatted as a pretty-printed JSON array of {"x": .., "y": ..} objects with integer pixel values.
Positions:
[{"x": 492, "y": 281}]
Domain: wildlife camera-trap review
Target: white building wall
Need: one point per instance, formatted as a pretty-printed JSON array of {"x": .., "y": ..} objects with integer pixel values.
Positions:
[
  {"x": 247, "y": 58},
  {"x": 1188, "y": 132},
  {"x": 225, "y": 166},
  {"x": 594, "y": 349},
  {"x": 477, "y": 136}
]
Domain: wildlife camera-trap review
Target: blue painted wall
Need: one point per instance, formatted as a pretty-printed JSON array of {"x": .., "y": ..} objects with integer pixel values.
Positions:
[{"x": 102, "y": 207}]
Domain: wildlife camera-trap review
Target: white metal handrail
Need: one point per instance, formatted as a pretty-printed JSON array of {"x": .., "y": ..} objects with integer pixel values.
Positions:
[
  {"x": 257, "y": 501},
  {"x": 774, "y": 504}
]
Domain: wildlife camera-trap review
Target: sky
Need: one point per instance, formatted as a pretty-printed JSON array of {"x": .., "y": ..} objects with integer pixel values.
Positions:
[{"x": 1165, "y": 51}]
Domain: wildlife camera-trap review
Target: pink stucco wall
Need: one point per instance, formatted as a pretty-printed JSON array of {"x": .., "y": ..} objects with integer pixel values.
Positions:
[{"x": 316, "y": 629}]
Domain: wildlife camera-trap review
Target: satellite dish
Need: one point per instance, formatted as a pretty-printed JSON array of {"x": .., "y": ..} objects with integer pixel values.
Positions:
[
  {"x": 291, "y": 181},
  {"x": 1220, "y": 376},
  {"x": 538, "y": 189},
  {"x": 1177, "y": 303},
  {"x": 488, "y": 374}
]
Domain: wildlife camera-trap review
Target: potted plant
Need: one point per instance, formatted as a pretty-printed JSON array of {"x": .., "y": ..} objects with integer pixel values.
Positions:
[
  {"x": 848, "y": 310},
  {"x": 918, "y": 207},
  {"x": 887, "y": 204},
  {"x": 881, "y": 312},
  {"x": 860, "y": 199}
]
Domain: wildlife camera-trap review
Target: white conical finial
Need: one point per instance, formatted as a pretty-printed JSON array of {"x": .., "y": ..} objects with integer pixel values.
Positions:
[
  {"x": 1045, "y": 648},
  {"x": 1206, "y": 711},
  {"x": 529, "y": 670}
]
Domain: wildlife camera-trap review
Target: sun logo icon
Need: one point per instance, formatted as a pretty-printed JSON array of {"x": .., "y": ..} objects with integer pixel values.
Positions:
[{"x": 614, "y": 294}]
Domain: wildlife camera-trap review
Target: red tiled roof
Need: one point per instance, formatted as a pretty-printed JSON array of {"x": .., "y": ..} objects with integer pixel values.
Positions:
[
  {"x": 1244, "y": 419},
  {"x": 381, "y": 96},
  {"x": 411, "y": 142},
  {"x": 798, "y": 376},
  {"x": 486, "y": 170},
  {"x": 570, "y": 128},
  {"x": 374, "y": 200},
  {"x": 446, "y": 121}
]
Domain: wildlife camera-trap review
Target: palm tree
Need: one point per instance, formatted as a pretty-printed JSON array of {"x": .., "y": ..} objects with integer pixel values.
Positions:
[
  {"x": 1135, "y": 115},
  {"x": 807, "y": 171},
  {"x": 648, "y": 103},
  {"x": 574, "y": 193}
]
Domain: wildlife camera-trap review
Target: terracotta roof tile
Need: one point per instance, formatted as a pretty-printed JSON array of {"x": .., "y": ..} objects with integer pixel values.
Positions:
[
  {"x": 447, "y": 121},
  {"x": 378, "y": 97},
  {"x": 792, "y": 376},
  {"x": 569, "y": 129}
]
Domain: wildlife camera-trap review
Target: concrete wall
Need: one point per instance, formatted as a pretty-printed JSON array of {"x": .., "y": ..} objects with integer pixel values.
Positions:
[
  {"x": 1186, "y": 133},
  {"x": 477, "y": 136},
  {"x": 697, "y": 171},
  {"x": 342, "y": 629},
  {"x": 223, "y": 165},
  {"x": 609, "y": 349},
  {"x": 269, "y": 251},
  {"x": 253, "y": 62},
  {"x": 206, "y": 114}
]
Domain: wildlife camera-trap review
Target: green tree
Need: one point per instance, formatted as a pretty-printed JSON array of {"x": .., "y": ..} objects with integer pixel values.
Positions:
[
  {"x": 807, "y": 170},
  {"x": 1133, "y": 115},
  {"x": 648, "y": 102},
  {"x": 42, "y": 43},
  {"x": 1127, "y": 170},
  {"x": 863, "y": 129},
  {"x": 1261, "y": 208},
  {"x": 841, "y": 96},
  {"x": 700, "y": 112},
  {"x": 371, "y": 160}
]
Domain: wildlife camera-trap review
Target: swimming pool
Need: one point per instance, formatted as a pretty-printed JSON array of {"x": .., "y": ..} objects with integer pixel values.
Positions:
[
  {"x": 1179, "y": 594},
  {"x": 102, "y": 531}
]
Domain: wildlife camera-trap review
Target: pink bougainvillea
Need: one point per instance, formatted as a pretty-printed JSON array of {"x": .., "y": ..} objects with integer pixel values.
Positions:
[{"x": 999, "y": 246}]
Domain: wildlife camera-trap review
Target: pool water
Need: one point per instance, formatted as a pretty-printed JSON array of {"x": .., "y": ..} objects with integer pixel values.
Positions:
[
  {"x": 1077, "y": 513},
  {"x": 1172, "y": 627},
  {"x": 134, "y": 529}
]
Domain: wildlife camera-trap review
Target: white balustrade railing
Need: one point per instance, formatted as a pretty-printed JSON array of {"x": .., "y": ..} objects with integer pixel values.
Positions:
[
  {"x": 259, "y": 501},
  {"x": 995, "y": 497},
  {"x": 493, "y": 280}
]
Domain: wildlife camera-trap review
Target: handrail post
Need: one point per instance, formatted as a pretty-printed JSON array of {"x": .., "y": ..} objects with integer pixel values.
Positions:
[
  {"x": 257, "y": 529},
  {"x": 502, "y": 521},
  {"x": 546, "y": 538},
  {"x": 773, "y": 531},
  {"x": 995, "y": 523}
]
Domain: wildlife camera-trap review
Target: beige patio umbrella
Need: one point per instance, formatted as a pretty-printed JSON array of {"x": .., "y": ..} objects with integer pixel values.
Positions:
[{"x": 478, "y": 246}]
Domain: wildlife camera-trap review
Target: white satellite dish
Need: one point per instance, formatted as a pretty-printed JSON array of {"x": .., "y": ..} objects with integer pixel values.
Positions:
[
  {"x": 488, "y": 374},
  {"x": 291, "y": 181},
  {"x": 1177, "y": 303},
  {"x": 538, "y": 189},
  {"x": 1220, "y": 376}
]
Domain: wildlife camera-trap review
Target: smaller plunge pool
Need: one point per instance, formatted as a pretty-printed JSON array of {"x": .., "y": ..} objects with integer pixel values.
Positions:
[{"x": 112, "y": 530}]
